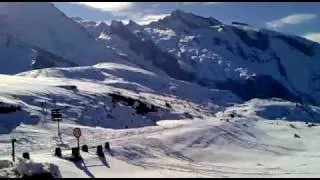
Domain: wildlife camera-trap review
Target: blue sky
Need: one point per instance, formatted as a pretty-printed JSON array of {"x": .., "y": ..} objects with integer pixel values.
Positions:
[{"x": 298, "y": 18}]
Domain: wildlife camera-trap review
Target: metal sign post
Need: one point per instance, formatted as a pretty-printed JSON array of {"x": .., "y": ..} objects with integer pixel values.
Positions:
[
  {"x": 44, "y": 110},
  {"x": 56, "y": 116},
  {"x": 77, "y": 134},
  {"x": 13, "y": 154},
  {"x": 59, "y": 134}
]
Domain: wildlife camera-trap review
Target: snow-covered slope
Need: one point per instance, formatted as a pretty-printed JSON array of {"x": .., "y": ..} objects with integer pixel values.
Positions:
[
  {"x": 157, "y": 126},
  {"x": 249, "y": 61},
  {"x": 108, "y": 95},
  {"x": 42, "y": 25},
  {"x": 138, "y": 80},
  {"x": 242, "y": 145},
  {"x": 18, "y": 56}
]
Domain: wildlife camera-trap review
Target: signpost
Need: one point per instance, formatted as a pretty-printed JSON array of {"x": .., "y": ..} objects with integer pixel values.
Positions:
[
  {"x": 13, "y": 155},
  {"x": 43, "y": 105},
  {"x": 77, "y": 134},
  {"x": 56, "y": 116}
]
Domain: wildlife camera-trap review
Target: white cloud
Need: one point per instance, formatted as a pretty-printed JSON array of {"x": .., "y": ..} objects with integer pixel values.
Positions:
[
  {"x": 146, "y": 19},
  {"x": 212, "y": 2},
  {"x": 290, "y": 20},
  {"x": 313, "y": 36},
  {"x": 107, "y": 6},
  {"x": 205, "y": 3},
  {"x": 141, "y": 18}
]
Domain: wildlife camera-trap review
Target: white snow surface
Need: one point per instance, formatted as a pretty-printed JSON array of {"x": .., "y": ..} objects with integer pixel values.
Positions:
[
  {"x": 247, "y": 146},
  {"x": 196, "y": 137}
]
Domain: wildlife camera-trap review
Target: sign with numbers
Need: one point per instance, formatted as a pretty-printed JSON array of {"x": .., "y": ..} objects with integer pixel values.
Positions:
[{"x": 77, "y": 132}]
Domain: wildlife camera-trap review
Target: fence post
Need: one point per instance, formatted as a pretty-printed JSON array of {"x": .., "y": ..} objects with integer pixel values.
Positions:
[
  {"x": 58, "y": 152},
  {"x": 107, "y": 146},
  {"x": 26, "y": 155},
  {"x": 84, "y": 148},
  {"x": 100, "y": 151},
  {"x": 76, "y": 153}
]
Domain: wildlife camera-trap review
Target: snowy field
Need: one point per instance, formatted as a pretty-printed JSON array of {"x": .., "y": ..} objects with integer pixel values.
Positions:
[
  {"x": 199, "y": 134},
  {"x": 242, "y": 147}
]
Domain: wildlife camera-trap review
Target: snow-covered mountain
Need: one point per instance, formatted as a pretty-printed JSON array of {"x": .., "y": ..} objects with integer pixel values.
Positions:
[
  {"x": 42, "y": 25},
  {"x": 249, "y": 61},
  {"x": 143, "y": 53},
  {"x": 17, "y": 56}
]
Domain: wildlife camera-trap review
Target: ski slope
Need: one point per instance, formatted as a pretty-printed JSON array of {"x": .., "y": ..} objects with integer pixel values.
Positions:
[
  {"x": 246, "y": 146},
  {"x": 93, "y": 100},
  {"x": 192, "y": 132}
]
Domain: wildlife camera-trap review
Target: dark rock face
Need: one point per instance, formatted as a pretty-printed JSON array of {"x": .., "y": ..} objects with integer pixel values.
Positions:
[
  {"x": 258, "y": 87},
  {"x": 240, "y": 23},
  {"x": 261, "y": 43},
  {"x": 9, "y": 109},
  {"x": 241, "y": 52},
  {"x": 46, "y": 60},
  {"x": 302, "y": 47},
  {"x": 296, "y": 136},
  {"x": 140, "y": 107},
  {"x": 216, "y": 41}
]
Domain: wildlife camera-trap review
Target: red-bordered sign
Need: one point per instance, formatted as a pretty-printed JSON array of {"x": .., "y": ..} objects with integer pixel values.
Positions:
[{"x": 77, "y": 132}]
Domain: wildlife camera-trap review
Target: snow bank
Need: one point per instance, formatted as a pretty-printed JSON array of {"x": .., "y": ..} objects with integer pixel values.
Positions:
[
  {"x": 30, "y": 168},
  {"x": 5, "y": 164}
]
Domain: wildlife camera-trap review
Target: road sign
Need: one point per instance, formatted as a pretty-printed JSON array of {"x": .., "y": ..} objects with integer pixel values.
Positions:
[
  {"x": 56, "y": 115},
  {"x": 76, "y": 132}
]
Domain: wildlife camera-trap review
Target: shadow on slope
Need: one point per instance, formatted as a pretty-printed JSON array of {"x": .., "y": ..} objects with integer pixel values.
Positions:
[
  {"x": 80, "y": 164},
  {"x": 290, "y": 112},
  {"x": 11, "y": 117},
  {"x": 144, "y": 81},
  {"x": 262, "y": 87}
]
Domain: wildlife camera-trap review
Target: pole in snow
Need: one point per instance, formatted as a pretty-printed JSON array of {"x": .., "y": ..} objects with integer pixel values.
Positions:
[
  {"x": 56, "y": 116},
  {"x": 13, "y": 154},
  {"x": 59, "y": 134},
  {"x": 77, "y": 134},
  {"x": 44, "y": 110}
]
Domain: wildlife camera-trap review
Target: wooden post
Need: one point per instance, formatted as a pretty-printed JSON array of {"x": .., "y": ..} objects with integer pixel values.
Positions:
[
  {"x": 84, "y": 148},
  {"x": 76, "y": 153},
  {"x": 26, "y": 155},
  {"x": 107, "y": 146},
  {"x": 58, "y": 152},
  {"x": 100, "y": 151}
]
